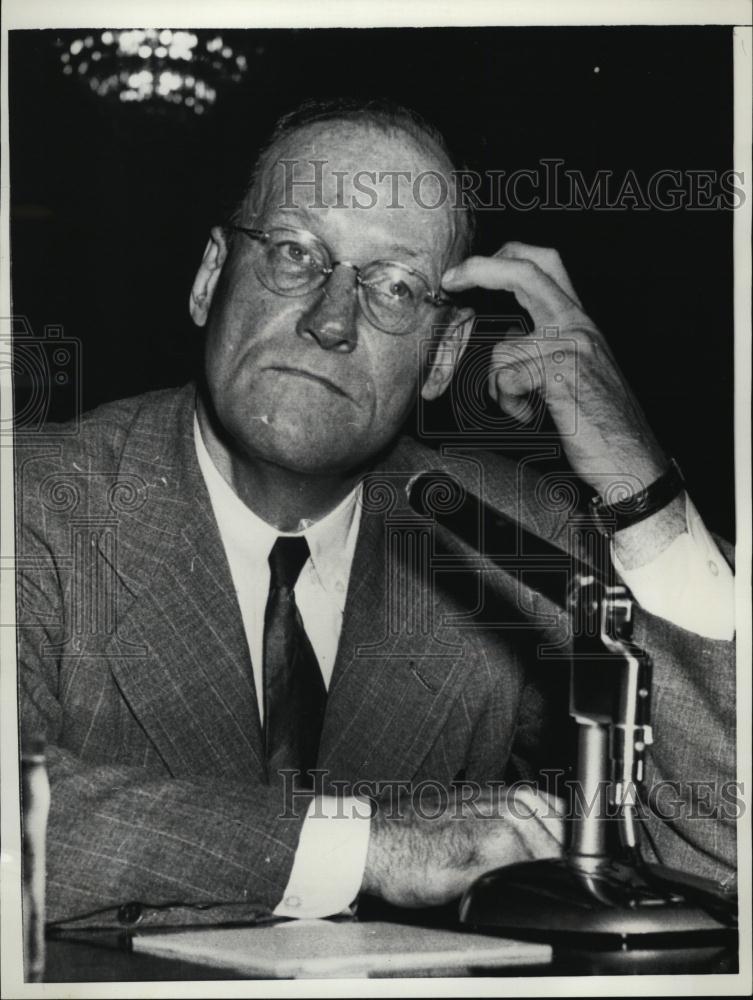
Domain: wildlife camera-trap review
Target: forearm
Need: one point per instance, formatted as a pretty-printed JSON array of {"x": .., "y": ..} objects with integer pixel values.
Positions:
[
  {"x": 641, "y": 543},
  {"x": 117, "y": 834},
  {"x": 420, "y": 856}
]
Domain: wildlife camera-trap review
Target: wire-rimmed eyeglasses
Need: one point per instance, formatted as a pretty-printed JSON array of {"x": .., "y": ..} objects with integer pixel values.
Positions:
[{"x": 393, "y": 296}]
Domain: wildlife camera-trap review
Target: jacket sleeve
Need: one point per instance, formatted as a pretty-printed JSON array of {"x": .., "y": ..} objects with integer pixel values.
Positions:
[
  {"x": 116, "y": 836},
  {"x": 692, "y": 799}
]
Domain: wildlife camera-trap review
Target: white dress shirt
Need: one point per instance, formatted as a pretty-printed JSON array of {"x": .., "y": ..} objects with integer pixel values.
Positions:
[{"x": 688, "y": 584}]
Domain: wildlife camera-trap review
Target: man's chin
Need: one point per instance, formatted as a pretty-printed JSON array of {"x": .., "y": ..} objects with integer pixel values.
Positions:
[{"x": 298, "y": 450}]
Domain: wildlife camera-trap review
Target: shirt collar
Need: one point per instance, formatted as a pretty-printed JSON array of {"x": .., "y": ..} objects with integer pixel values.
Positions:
[{"x": 332, "y": 539}]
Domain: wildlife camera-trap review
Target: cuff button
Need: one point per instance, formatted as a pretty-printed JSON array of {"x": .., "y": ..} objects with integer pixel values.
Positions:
[
  {"x": 292, "y": 901},
  {"x": 713, "y": 567},
  {"x": 130, "y": 914}
]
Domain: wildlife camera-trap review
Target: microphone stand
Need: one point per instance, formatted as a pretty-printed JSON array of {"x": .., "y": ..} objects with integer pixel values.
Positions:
[{"x": 596, "y": 893}]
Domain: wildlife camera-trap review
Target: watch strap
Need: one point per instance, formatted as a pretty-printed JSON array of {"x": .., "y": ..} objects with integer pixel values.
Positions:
[{"x": 632, "y": 510}]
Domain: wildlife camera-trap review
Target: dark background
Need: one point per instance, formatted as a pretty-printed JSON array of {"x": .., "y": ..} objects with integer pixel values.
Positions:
[{"x": 111, "y": 203}]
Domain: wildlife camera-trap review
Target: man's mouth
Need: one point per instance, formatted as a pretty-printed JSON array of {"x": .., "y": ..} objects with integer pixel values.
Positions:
[{"x": 312, "y": 377}]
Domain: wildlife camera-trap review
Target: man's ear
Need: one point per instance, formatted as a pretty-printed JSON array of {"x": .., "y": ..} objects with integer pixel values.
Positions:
[
  {"x": 445, "y": 352},
  {"x": 205, "y": 281}
]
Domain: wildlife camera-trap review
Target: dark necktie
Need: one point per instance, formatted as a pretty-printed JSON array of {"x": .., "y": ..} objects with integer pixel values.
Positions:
[{"x": 294, "y": 692}]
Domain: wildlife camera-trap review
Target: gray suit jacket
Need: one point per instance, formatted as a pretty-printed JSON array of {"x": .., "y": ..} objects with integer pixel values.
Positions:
[{"x": 134, "y": 666}]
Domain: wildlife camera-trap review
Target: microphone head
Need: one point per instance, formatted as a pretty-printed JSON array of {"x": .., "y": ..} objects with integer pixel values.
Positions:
[
  {"x": 411, "y": 483},
  {"x": 436, "y": 493}
]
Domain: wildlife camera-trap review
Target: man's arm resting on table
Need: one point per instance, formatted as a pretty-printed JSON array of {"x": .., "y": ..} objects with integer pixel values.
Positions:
[
  {"x": 117, "y": 835},
  {"x": 416, "y": 860},
  {"x": 411, "y": 854}
]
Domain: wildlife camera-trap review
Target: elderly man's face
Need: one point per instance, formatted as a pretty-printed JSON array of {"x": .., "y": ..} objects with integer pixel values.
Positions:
[{"x": 308, "y": 382}]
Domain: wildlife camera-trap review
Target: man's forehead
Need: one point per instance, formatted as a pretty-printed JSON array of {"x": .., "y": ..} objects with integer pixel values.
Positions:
[{"x": 394, "y": 182}]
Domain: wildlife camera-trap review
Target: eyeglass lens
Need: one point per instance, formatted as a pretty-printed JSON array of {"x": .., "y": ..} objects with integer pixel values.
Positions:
[{"x": 293, "y": 263}]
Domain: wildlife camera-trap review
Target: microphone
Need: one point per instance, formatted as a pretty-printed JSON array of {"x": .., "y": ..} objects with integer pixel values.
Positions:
[
  {"x": 593, "y": 892},
  {"x": 497, "y": 537}
]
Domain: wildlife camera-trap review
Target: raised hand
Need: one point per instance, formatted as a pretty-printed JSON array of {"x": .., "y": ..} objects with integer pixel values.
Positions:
[{"x": 567, "y": 360}]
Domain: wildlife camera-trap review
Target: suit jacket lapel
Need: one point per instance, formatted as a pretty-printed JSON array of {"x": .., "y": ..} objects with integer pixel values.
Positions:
[
  {"x": 393, "y": 683},
  {"x": 193, "y": 692}
]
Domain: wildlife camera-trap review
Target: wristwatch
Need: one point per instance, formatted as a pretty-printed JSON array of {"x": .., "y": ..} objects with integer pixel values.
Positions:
[{"x": 610, "y": 518}]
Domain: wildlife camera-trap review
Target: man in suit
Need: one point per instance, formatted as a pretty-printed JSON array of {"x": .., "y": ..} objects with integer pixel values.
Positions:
[{"x": 222, "y": 586}]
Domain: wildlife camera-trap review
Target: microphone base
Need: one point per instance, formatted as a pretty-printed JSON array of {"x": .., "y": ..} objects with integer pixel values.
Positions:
[{"x": 613, "y": 904}]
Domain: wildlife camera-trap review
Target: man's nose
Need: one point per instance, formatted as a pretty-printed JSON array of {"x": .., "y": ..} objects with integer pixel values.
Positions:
[{"x": 331, "y": 319}]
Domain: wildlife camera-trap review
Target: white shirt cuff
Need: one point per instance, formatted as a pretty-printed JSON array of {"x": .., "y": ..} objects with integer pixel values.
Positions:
[
  {"x": 331, "y": 857},
  {"x": 688, "y": 584}
]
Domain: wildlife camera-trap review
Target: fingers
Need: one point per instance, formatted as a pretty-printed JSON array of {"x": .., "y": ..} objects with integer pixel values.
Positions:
[
  {"x": 547, "y": 813},
  {"x": 524, "y": 371},
  {"x": 514, "y": 391},
  {"x": 520, "y": 408},
  {"x": 516, "y": 372},
  {"x": 535, "y": 290},
  {"x": 546, "y": 259}
]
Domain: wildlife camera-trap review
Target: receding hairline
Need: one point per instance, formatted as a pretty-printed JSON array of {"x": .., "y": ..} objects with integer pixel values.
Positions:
[
  {"x": 418, "y": 134},
  {"x": 281, "y": 144}
]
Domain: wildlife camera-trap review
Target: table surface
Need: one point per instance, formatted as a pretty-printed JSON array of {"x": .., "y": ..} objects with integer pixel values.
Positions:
[{"x": 82, "y": 962}]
